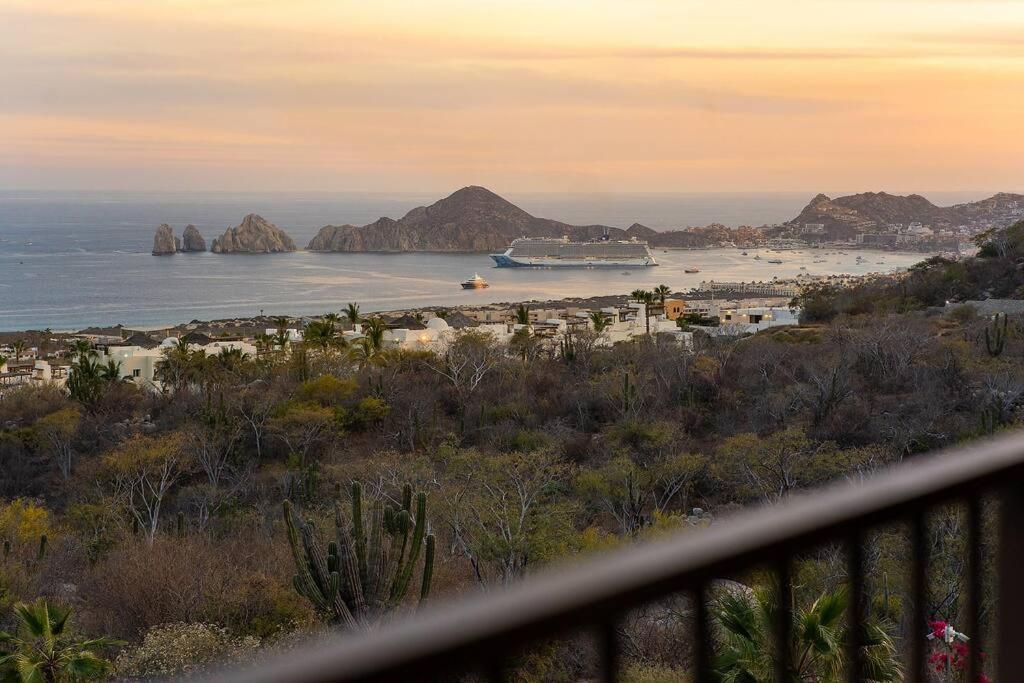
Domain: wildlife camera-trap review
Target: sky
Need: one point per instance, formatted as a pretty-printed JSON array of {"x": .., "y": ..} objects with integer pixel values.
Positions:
[{"x": 517, "y": 95}]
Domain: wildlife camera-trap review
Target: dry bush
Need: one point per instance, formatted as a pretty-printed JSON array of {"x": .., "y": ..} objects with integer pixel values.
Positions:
[{"x": 242, "y": 582}]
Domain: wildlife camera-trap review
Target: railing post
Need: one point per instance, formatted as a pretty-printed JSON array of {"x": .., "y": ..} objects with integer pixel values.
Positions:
[{"x": 1011, "y": 588}]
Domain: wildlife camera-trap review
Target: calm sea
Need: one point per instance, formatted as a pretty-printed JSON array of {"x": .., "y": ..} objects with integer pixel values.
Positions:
[{"x": 69, "y": 260}]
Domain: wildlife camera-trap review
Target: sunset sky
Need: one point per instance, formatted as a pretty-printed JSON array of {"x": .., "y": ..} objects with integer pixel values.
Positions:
[{"x": 518, "y": 95}]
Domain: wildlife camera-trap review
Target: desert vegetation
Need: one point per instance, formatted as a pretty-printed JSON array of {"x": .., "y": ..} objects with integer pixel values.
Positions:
[{"x": 256, "y": 502}]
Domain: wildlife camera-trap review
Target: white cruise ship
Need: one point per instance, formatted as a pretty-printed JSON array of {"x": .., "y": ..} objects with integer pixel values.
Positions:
[{"x": 550, "y": 252}]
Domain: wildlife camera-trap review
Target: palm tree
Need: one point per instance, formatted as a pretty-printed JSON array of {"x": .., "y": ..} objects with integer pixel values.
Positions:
[
  {"x": 363, "y": 352},
  {"x": 44, "y": 649},
  {"x": 352, "y": 313},
  {"x": 111, "y": 372},
  {"x": 85, "y": 381},
  {"x": 82, "y": 348},
  {"x": 180, "y": 365},
  {"x": 646, "y": 298},
  {"x": 522, "y": 314},
  {"x": 816, "y": 651},
  {"x": 599, "y": 320},
  {"x": 319, "y": 334},
  {"x": 19, "y": 347},
  {"x": 374, "y": 331},
  {"x": 264, "y": 342},
  {"x": 662, "y": 291}
]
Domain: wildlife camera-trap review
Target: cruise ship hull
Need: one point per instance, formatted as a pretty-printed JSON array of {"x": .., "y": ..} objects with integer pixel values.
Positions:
[{"x": 507, "y": 261}]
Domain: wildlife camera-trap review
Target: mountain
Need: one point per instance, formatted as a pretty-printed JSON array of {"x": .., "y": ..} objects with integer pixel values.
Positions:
[
  {"x": 254, "y": 235},
  {"x": 471, "y": 219},
  {"x": 844, "y": 217}
]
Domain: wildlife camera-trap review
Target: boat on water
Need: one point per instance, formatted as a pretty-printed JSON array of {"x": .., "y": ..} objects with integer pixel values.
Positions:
[
  {"x": 775, "y": 260},
  {"x": 691, "y": 270},
  {"x": 757, "y": 257},
  {"x": 475, "y": 282},
  {"x": 549, "y": 252},
  {"x": 744, "y": 254}
]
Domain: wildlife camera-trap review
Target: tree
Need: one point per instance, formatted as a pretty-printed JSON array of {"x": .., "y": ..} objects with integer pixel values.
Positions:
[
  {"x": 773, "y": 466},
  {"x": 599, "y": 320},
  {"x": 111, "y": 372},
  {"x": 44, "y": 649},
  {"x": 19, "y": 347},
  {"x": 503, "y": 511},
  {"x": 646, "y": 298},
  {"x": 180, "y": 365},
  {"x": 81, "y": 348},
  {"x": 633, "y": 494},
  {"x": 59, "y": 428},
  {"x": 140, "y": 474},
  {"x": 747, "y": 654},
  {"x": 522, "y": 315},
  {"x": 319, "y": 334},
  {"x": 468, "y": 360},
  {"x": 352, "y": 313},
  {"x": 367, "y": 572},
  {"x": 85, "y": 380},
  {"x": 373, "y": 329},
  {"x": 662, "y": 291}
]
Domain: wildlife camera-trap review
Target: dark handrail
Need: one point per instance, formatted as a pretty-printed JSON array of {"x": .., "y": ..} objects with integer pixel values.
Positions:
[{"x": 477, "y": 631}]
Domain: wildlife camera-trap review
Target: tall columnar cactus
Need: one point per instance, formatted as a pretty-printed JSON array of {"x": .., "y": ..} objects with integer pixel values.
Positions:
[
  {"x": 628, "y": 394},
  {"x": 995, "y": 335},
  {"x": 367, "y": 571}
]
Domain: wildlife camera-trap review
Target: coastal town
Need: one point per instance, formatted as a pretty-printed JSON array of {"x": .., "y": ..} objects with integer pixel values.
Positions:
[{"x": 134, "y": 353}]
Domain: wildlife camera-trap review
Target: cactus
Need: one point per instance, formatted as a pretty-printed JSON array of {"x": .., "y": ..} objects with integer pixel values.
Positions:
[
  {"x": 995, "y": 335},
  {"x": 367, "y": 571},
  {"x": 628, "y": 394},
  {"x": 41, "y": 554},
  {"x": 180, "y": 524},
  {"x": 568, "y": 348}
]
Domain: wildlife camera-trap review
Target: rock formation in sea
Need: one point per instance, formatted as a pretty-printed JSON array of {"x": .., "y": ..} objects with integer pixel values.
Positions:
[
  {"x": 164, "y": 241},
  {"x": 192, "y": 240},
  {"x": 254, "y": 235}
]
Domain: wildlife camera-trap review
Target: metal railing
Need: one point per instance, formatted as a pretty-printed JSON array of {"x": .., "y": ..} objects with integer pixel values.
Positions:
[{"x": 479, "y": 635}]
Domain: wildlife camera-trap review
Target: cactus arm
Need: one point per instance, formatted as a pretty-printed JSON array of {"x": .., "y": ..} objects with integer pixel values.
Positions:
[
  {"x": 349, "y": 565},
  {"x": 303, "y": 580},
  {"x": 402, "y": 585},
  {"x": 358, "y": 532},
  {"x": 428, "y": 569},
  {"x": 375, "y": 559}
]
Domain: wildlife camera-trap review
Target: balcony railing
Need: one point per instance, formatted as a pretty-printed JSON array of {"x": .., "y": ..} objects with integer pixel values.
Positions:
[{"x": 479, "y": 635}]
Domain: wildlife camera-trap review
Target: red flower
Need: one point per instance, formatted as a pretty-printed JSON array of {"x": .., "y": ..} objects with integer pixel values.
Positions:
[{"x": 938, "y": 629}]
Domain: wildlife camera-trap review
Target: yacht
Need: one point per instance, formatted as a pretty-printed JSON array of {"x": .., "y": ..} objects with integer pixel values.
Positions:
[{"x": 475, "y": 282}]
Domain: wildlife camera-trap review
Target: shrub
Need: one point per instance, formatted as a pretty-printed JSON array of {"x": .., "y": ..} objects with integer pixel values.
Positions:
[
  {"x": 181, "y": 649},
  {"x": 638, "y": 673}
]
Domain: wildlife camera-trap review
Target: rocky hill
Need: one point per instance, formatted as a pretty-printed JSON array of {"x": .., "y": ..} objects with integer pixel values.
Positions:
[
  {"x": 254, "y": 235},
  {"x": 844, "y": 217},
  {"x": 475, "y": 219},
  {"x": 165, "y": 242},
  {"x": 471, "y": 219},
  {"x": 192, "y": 239}
]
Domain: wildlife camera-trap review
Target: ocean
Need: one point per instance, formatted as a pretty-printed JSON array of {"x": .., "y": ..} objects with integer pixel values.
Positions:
[{"x": 74, "y": 259}]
